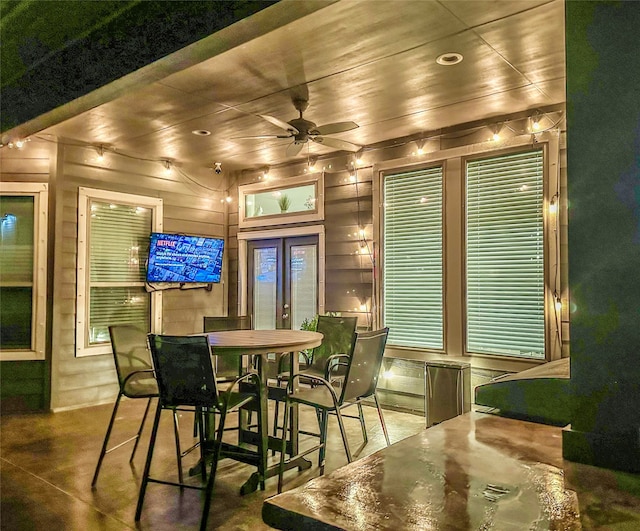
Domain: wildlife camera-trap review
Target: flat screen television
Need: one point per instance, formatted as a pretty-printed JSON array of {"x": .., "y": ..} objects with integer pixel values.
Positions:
[{"x": 182, "y": 258}]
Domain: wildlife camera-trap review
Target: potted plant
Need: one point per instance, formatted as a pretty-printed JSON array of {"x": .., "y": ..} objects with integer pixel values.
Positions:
[{"x": 284, "y": 202}]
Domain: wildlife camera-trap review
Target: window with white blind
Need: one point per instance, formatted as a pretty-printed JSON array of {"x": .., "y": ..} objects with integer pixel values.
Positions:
[
  {"x": 113, "y": 245},
  {"x": 413, "y": 258},
  {"x": 505, "y": 255},
  {"x": 466, "y": 267},
  {"x": 23, "y": 264}
]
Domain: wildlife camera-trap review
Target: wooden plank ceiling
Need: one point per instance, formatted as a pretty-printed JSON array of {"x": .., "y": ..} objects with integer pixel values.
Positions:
[{"x": 373, "y": 63}]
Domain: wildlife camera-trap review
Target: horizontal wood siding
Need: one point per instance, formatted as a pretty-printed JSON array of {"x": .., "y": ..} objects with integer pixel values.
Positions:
[
  {"x": 188, "y": 208},
  {"x": 23, "y": 386}
]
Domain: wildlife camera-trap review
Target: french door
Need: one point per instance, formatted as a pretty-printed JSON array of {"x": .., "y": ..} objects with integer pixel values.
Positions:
[{"x": 282, "y": 281}]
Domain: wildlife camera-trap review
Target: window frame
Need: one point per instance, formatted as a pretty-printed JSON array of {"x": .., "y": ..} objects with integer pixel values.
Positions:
[
  {"x": 40, "y": 193},
  {"x": 545, "y": 240},
  {"x": 85, "y": 195},
  {"x": 441, "y": 164},
  {"x": 280, "y": 185},
  {"x": 454, "y": 212}
]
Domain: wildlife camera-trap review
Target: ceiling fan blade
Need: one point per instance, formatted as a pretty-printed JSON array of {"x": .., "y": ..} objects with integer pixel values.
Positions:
[
  {"x": 337, "y": 143},
  {"x": 338, "y": 127},
  {"x": 294, "y": 148},
  {"x": 279, "y": 123},
  {"x": 259, "y": 136}
]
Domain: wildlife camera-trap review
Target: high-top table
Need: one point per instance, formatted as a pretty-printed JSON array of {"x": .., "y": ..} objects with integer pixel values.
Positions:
[{"x": 261, "y": 343}]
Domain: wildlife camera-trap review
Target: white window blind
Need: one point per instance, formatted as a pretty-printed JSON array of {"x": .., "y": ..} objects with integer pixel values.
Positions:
[
  {"x": 505, "y": 255},
  {"x": 119, "y": 244},
  {"x": 412, "y": 255}
]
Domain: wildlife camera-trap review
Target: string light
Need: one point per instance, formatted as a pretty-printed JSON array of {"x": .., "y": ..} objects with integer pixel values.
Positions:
[
  {"x": 420, "y": 144},
  {"x": 18, "y": 144},
  {"x": 558, "y": 304},
  {"x": 553, "y": 205},
  {"x": 167, "y": 166},
  {"x": 100, "y": 150},
  {"x": 535, "y": 123},
  {"x": 359, "y": 159}
]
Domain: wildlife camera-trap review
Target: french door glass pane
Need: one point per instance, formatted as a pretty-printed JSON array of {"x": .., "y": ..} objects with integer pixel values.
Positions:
[
  {"x": 114, "y": 306},
  {"x": 505, "y": 255},
  {"x": 16, "y": 267},
  {"x": 265, "y": 284},
  {"x": 304, "y": 284},
  {"x": 412, "y": 274}
]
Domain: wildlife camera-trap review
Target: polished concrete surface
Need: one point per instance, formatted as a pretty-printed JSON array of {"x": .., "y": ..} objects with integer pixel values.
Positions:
[
  {"x": 47, "y": 463},
  {"x": 476, "y": 471}
]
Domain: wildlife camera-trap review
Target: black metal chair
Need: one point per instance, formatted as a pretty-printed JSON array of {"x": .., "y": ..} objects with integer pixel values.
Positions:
[
  {"x": 186, "y": 377},
  {"x": 227, "y": 368},
  {"x": 361, "y": 378},
  {"x": 322, "y": 361},
  {"x": 326, "y": 361},
  {"x": 136, "y": 380}
]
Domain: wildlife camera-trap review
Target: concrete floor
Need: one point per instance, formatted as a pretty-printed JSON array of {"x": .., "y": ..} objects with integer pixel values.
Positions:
[{"x": 47, "y": 462}]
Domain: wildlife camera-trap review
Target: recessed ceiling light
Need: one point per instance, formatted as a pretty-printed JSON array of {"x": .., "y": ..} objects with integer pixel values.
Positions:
[
  {"x": 450, "y": 58},
  {"x": 201, "y": 132}
]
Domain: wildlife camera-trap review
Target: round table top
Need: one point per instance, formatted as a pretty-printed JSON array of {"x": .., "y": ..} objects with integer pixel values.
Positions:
[{"x": 264, "y": 341}]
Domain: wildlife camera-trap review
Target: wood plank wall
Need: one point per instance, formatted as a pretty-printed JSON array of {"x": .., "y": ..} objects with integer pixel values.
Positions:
[
  {"x": 24, "y": 385},
  {"x": 188, "y": 208}
]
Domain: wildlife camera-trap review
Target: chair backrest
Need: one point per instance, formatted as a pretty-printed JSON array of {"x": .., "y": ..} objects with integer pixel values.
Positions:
[
  {"x": 130, "y": 350},
  {"x": 183, "y": 370},
  {"x": 338, "y": 337},
  {"x": 220, "y": 324},
  {"x": 364, "y": 365}
]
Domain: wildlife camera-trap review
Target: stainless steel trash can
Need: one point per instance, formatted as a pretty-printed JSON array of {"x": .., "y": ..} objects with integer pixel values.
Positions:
[{"x": 447, "y": 390}]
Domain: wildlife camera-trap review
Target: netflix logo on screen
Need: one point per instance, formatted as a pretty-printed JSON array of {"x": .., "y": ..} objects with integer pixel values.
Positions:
[{"x": 184, "y": 259}]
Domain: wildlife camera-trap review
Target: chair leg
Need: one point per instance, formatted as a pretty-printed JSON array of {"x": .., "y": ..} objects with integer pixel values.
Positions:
[
  {"x": 262, "y": 412},
  {"x": 384, "y": 426},
  {"x": 147, "y": 465},
  {"x": 176, "y": 432},
  {"x": 139, "y": 434},
  {"x": 201, "y": 422},
  {"x": 214, "y": 467},
  {"x": 275, "y": 416},
  {"x": 362, "y": 424},
  {"x": 323, "y": 423},
  {"x": 344, "y": 435},
  {"x": 103, "y": 451},
  {"x": 283, "y": 447}
]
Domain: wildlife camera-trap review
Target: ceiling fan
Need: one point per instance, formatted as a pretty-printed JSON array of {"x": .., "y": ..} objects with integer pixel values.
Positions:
[{"x": 301, "y": 131}]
